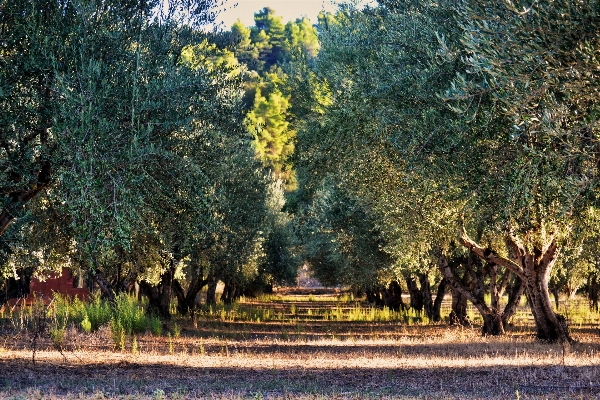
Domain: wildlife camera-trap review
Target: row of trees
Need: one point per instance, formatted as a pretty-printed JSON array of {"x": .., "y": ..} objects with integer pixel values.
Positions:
[
  {"x": 467, "y": 133},
  {"x": 125, "y": 153},
  {"x": 403, "y": 142}
]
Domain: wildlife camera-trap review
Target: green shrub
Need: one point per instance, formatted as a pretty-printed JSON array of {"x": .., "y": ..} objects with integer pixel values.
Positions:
[
  {"x": 86, "y": 325},
  {"x": 134, "y": 345},
  {"x": 118, "y": 333},
  {"x": 98, "y": 311},
  {"x": 131, "y": 314},
  {"x": 155, "y": 325}
]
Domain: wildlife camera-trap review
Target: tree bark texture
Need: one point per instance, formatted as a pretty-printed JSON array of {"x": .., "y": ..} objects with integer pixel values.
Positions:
[
  {"x": 427, "y": 299},
  {"x": 186, "y": 301},
  {"x": 105, "y": 286},
  {"x": 439, "y": 298},
  {"x": 593, "y": 289},
  {"x": 458, "y": 315},
  {"x": 471, "y": 286},
  {"x": 159, "y": 296},
  {"x": 416, "y": 297},
  {"x": 390, "y": 296},
  {"x": 533, "y": 268},
  {"x": 230, "y": 293},
  {"x": 211, "y": 292}
]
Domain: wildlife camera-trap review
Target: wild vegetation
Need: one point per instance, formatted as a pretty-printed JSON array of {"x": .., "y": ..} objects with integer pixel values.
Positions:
[{"x": 439, "y": 160}]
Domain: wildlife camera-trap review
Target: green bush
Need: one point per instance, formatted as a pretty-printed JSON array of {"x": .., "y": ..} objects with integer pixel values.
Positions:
[
  {"x": 127, "y": 311},
  {"x": 86, "y": 325},
  {"x": 118, "y": 333},
  {"x": 155, "y": 325},
  {"x": 98, "y": 311},
  {"x": 57, "y": 334},
  {"x": 131, "y": 314}
]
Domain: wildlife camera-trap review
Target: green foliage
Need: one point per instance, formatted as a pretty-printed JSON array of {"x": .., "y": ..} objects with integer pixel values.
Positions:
[
  {"x": 521, "y": 59},
  {"x": 303, "y": 35},
  {"x": 156, "y": 325},
  {"x": 98, "y": 312},
  {"x": 269, "y": 29},
  {"x": 86, "y": 325},
  {"x": 134, "y": 345},
  {"x": 118, "y": 333},
  {"x": 57, "y": 335},
  {"x": 267, "y": 121},
  {"x": 268, "y": 49},
  {"x": 341, "y": 241},
  {"x": 126, "y": 124},
  {"x": 130, "y": 315},
  {"x": 376, "y": 121}
]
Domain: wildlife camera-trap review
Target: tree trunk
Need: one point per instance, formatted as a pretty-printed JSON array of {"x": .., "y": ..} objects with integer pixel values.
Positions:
[
  {"x": 592, "y": 292},
  {"x": 514, "y": 297},
  {"x": 474, "y": 291},
  {"x": 103, "y": 284},
  {"x": 534, "y": 269},
  {"x": 159, "y": 296},
  {"x": 186, "y": 301},
  {"x": 439, "y": 298},
  {"x": 230, "y": 293},
  {"x": 550, "y": 326},
  {"x": 395, "y": 293},
  {"x": 493, "y": 324},
  {"x": 458, "y": 315},
  {"x": 416, "y": 298},
  {"x": 211, "y": 293},
  {"x": 426, "y": 295},
  {"x": 556, "y": 293}
]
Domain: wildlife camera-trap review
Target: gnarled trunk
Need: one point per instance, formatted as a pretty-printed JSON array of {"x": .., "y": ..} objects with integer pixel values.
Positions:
[
  {"x": 426, "y": 295},
  {"x": 211, "y": 292},
  {"x": 534, "y": 271},
  {"x": 159, "y": 296},
  {"x": 416, "y": 298},
  {"x": 471, "y": 286},
  {"x": 103, "y": 284},
  {"x": 439, "y": 298},
  {"x": 186, "y": 301},
  {"x": 515, "y": 291},
  {"x": 458, "y": 314},
  {"x": 230, "y": 293},
  {"x": 493, "y": 324},
  {"x": 395, "y": 294},
  {"x": 550, "y": 326}
]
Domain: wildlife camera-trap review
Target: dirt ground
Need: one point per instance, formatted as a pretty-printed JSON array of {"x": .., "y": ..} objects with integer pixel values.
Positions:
[
  {"x": 303, "y": 357},
  {"x": 455, "y": 366}
]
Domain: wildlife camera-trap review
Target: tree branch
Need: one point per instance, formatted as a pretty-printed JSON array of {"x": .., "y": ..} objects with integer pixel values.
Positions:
[
  {"x": 489, "y": 255},
  {"x": 449, "y": 275}
]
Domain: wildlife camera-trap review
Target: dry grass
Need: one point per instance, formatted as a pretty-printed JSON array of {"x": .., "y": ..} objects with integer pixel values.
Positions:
[{"x": 305, "y": 359}]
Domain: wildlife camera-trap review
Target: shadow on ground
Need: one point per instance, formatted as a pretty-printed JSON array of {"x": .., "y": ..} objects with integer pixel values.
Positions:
[{"x": 129, "y": 378}]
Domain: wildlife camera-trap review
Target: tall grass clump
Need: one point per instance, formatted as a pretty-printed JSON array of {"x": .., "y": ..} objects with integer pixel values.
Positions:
[
  {"x": 118, "y": 333},
  {"x": 130, "y": 314},
  {"x": 126, "y": 314},
  {"x": 98, "y": 312}
]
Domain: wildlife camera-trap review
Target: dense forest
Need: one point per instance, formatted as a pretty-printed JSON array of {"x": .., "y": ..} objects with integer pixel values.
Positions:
[{"x": 424, "y": 146}]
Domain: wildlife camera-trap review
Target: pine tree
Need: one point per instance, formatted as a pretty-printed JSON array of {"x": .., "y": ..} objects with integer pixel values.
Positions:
[{"x": 273, "y": 141}]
